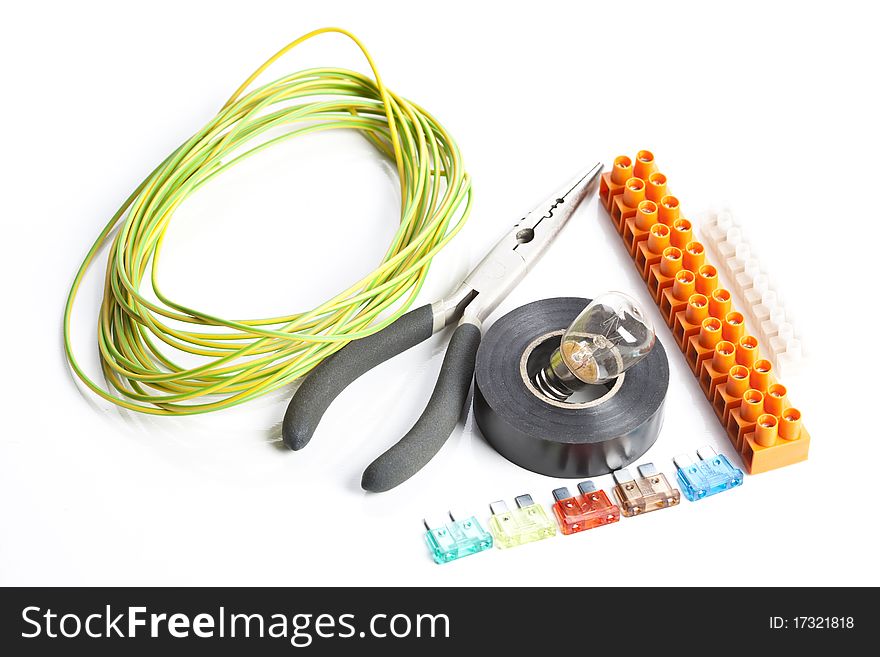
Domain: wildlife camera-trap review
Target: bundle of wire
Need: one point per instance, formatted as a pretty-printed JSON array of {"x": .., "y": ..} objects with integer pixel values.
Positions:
[{"x": 140, "y": 338}]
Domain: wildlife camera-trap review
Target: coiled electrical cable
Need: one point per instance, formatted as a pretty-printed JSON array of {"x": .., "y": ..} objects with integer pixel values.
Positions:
[{"x": 141, "y": 338}]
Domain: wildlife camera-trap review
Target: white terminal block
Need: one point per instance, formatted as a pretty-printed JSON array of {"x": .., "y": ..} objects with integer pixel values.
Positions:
[
  {"x": 727, "y": 245},
  {"x": 745, "y": 280},
  {"x": 761, "y": 312},
  {"x": 770, "y": 328},
  {"x": 791, "y": 362},
  {"x": 741, "y": 255},
  {"x": 706, "y": 218},
  {"x": 780, "y": 342},
  {"x": 717, "y": 232},
  {"x": 727, "y": 248},
  {"x": 753, "y": 293}
]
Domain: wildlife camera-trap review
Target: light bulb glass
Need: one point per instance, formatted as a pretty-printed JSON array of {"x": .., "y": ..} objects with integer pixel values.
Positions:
[{"x": 611, "y": 335}]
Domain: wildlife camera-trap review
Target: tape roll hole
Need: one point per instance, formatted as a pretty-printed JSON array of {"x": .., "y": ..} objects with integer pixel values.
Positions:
[{"x": 537, "y": 357}]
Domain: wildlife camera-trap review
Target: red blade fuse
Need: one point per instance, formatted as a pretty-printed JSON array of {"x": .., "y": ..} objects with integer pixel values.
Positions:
[
  {"x": 591, "y": 508},
  {"x": 650, "y": 492}
]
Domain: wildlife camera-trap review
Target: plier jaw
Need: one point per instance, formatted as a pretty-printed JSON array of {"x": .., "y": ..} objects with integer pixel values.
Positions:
[{"x": 515, "y": 254}]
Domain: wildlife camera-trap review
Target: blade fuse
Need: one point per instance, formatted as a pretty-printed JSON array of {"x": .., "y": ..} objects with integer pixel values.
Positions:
[
  {"x": 650, "y": 492},
  {"x": 711, "y": 474},
  {"x": 456, "y": 539},
  {"x": 591, "y": 508},
  {"x": 525, "y": 524}
]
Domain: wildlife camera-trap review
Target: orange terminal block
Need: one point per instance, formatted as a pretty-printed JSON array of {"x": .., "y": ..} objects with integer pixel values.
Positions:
[
  {"x": 719, "y": 303},
  {"x": 674, "y": 299},
  {"x": 636, "y": 229},
  {"x": 714, "y": 370},
  {"x": 656, "y": 187},
  {"x": 766, "y": 430},
  {"x": 776, "y": 399},
  {"x": 611, "y": 183},
  {"x": 729, "y": 396},
  {"x": 668, "y": 210},
  {"x": 746, "y": 350},
  {"x": 742, "y": 419},
  {"x": 761, "y": 377},
  {"x": 644, "y": 165},
  {"x": 711, "y": 333},
  {"x": 775, "y": 444},
  {"x": 682, "y": 233},
  {"x": 694, "y": 257},
  {"x": 733, "y": 327},
  {"x": 707, "y": 279},
  {"x": 702, "y": 345},
  {"x": 649, "y": 251},
  {"x": 687, "y": 322},
  {"x": 624, "y": 205},
  {"x": 662, "y": 275}
]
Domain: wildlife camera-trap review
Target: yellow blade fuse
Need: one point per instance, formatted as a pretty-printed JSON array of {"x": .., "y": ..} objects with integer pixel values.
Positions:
[
  {"x": 527, "y": 523},
  {"x": 142, "y": 337}
]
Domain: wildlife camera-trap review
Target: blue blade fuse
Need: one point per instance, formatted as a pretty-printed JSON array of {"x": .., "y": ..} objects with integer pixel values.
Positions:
[
  {"x": 456, "y": 539},
  {"x": 711, "y": 474}
]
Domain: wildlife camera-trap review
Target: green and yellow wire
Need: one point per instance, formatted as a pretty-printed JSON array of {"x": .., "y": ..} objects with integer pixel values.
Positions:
[{"x": 141, "y": 340}]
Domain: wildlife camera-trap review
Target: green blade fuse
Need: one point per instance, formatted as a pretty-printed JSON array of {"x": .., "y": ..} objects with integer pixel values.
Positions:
[
  {"x": 527, "y": 523},
  {"x": 456, "y": 539}
]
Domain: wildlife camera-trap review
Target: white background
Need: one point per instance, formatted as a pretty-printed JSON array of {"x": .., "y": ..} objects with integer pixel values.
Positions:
[{"x": 771, "y": 107}]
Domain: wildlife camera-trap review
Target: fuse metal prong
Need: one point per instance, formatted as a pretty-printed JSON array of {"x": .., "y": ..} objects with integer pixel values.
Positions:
[
  {"x": 707, "y": 453},
  {"x": 524, "y": 501},
  {"x": 498, "y": 508},
  {"x": 622, "y": 476},
  {"x": 682, "y": 461},
  {"x": 560, "y": 494},
  {"x": 586, "y": 487}
]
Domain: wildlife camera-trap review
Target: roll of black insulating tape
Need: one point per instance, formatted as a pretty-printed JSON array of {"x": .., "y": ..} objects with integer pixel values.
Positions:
[{"x": 561, "y": 439}]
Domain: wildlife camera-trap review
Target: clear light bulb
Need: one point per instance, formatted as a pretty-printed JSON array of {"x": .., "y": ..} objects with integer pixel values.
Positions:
[{"x": 611, "y": 335}]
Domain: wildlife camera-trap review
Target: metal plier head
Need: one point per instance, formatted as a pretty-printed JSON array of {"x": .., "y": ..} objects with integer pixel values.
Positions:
[{"x": 515, "y": 253}]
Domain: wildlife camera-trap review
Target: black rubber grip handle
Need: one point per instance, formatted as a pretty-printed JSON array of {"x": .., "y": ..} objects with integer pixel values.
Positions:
[
  {"x": 412, "y": 452},
  {"x": 334, "y": 374}
]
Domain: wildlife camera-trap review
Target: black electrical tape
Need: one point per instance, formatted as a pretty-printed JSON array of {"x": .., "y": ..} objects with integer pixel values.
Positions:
[{"x": 562, "y": 440}]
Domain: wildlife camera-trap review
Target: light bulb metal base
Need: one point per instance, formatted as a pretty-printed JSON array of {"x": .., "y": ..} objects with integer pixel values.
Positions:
[
  {"x": 556, "y": 379},
  {"x": 549, "y": 385}
]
